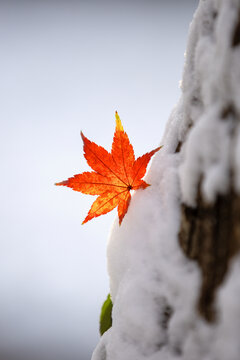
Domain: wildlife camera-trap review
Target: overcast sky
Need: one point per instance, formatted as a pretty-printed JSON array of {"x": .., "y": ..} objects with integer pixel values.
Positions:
[{"x": 67, "y": 66}]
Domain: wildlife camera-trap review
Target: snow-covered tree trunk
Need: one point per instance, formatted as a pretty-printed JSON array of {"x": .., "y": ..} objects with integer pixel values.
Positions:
[{"x": 174, "y": 263}]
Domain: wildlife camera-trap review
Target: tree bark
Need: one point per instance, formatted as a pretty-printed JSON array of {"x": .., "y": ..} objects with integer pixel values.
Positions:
[{"x": 210, "y": 235}]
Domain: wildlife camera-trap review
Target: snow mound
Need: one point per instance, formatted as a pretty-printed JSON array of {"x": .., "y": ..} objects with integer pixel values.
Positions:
[{"x": 154, "y": 287}]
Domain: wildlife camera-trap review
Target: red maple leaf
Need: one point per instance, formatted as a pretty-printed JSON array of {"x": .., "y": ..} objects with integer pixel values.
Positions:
[{"x": 115, "y": 174}]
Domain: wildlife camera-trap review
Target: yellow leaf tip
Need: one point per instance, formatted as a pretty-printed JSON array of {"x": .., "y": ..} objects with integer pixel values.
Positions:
[{"x": 119, "y": 126}]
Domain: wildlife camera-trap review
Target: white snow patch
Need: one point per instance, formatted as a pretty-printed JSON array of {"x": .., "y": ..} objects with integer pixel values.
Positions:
[{"x": 146, "y": 268}]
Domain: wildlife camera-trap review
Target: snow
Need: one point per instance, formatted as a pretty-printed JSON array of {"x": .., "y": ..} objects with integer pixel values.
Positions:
[
  {"x": 146, "y": 266},
  {"x": 149, "y": 275},
  {"x": 209, "y": 87}
]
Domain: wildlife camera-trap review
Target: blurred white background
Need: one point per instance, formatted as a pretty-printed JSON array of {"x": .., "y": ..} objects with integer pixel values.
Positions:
[{"x": 67, "y": 66}]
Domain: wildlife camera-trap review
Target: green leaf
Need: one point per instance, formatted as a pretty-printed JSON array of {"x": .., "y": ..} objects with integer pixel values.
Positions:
[{"x": 106, "y": 315}]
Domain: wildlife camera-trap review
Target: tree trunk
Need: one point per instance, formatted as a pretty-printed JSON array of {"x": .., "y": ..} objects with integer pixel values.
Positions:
[
  {"x": 210, "y": 230},
  {"x": 174, "y": 264}
]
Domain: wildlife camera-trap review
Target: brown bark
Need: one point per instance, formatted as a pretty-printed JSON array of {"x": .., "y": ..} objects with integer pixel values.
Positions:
[
  {"x": 236, "y": 34},
  {"x": 210, "y": 235}
]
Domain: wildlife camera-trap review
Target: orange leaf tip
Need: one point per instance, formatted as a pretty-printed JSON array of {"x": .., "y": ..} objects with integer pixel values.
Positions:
[
  {"x": 64, "y": 183},
  {"x": 82, "y": 136},
  {"x": 119, "y": 126}
]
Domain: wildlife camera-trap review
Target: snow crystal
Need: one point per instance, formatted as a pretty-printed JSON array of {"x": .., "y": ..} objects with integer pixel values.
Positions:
[{"x": 154, "y": 287}]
